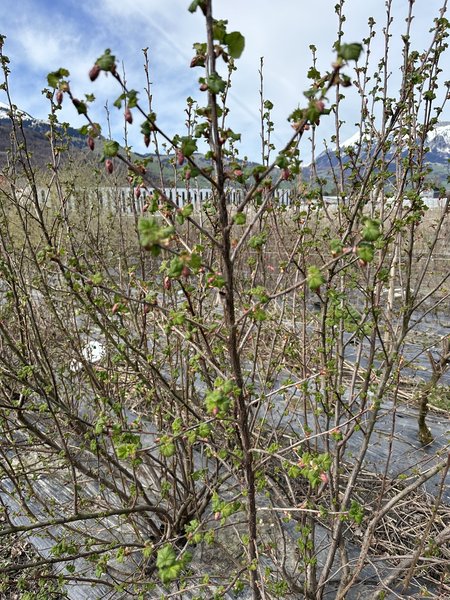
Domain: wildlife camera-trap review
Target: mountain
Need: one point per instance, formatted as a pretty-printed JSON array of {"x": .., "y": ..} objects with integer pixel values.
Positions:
[
  {"x": 78, "y": 154},
  {"x": 36, "y": 133},
  {"x": 437, "y": 157}
]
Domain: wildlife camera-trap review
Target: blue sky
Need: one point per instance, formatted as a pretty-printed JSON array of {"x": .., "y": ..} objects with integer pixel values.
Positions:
[{"x": 43, "y": 35}]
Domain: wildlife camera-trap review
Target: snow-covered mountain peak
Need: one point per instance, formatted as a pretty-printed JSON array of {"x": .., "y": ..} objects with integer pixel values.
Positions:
[{"x": 5, "y": 110}]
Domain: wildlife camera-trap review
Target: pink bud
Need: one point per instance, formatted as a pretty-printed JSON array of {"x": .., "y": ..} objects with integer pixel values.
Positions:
[
  {"x": 167, "y": 283},
  {"x": 324, "y": 477},
  {"x": 128, "y": 116},
  {"x": 180, "y": 157},
  {"x": 90, "y": 142},
  {"x": 59, "y": 97},
  {"x": 94, "y": 72},
  {"x": 320, "y": 105},
  {"x": 109, "y": 166}
]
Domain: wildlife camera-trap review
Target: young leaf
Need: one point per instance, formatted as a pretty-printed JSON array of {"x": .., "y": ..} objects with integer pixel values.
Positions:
[
  {"x": 315, "y": 278},
  {"x": 239, "y": 218},
  {"x": 54, "y": 77},
  {"x": 215, "y": 83},
  {"x": 372, "y": 230},
  {"x": 236, "y": 43},
  {"x": 365, "y": 252},
  {"x": 350, "y": 51},
  {"x": 110, "y": 148},
  {"x": 107, "y": 62},
  {"x": 188, "y": 146}
]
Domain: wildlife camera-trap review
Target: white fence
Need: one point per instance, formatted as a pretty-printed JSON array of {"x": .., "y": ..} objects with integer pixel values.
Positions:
[{"x": 124, "y": 200}]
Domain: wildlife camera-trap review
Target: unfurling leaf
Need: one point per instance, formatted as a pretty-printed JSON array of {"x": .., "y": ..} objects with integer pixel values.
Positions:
[
  {"x": 107, "y": 62},
  {"x": 365, "y": 252},
  {"x": 350, "y": 51},
  {"x": 188, "y": 146},
  {"x": 372, "y": 230},
  {"x": 315, "y": 278},
  {"x": 110, "y": 148}
]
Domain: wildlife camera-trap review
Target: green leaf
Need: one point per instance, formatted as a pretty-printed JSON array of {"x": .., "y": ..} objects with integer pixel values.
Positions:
[
  {"x": 55, "y": 77},
  {"x": 313, "y": 73},
  {"x": 80, "y": 106},
  {"x": 365, "y": 252},
  {"x": 349, "y": 51},
  {"x": 196, "y": 4},
  {"x": 336, "y": 247},
  {"x": 236, "y": 43},
  {"x": 153, "y": 235},
  {"x": 107, "y": 61},
  {"x": 132, "y": 98},
  {"x": 110, "y": 148},
  {"x": 256, "y": 242},
  {"x": 240, "y": 218},
  {"x": 118, "y": 102},
  {"x": 169, "y": 568},
  {"x": 204, "y": 430},
  {"x": 315, "y": 278},
  {"x": 372, "y": 230},
  {"x": 220, "y": 30},
  {"x": 195, "y": 262},
  {"x": 215, "y": 83},
  {"x": 167, "y": 449},
  {"x": 176, "y": 267},
  {"x": 188, "y": 146},
  {"x": 259, "y": 314}
]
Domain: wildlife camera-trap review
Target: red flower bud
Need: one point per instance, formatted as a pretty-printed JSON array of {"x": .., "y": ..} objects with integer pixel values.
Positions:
[
  {"x": 109, "y": 166},
  {"x": 128, "y": 116},
  {"x": 320, "y": 105},
  {"x": 167, "y": 283},
  {"x": 94, "y": 72},
  {"x": 324, "y": 477},
  {"x": 90, "y": 142},
  {"x": 146, "y": 140},
  {"x": 285, "y": 174},
  {"x": 137, "y": 192},
  {"x": 203, "y": 87},
  {"x": 59, "y": 97},
  {"x": 180, "y": 157}
]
